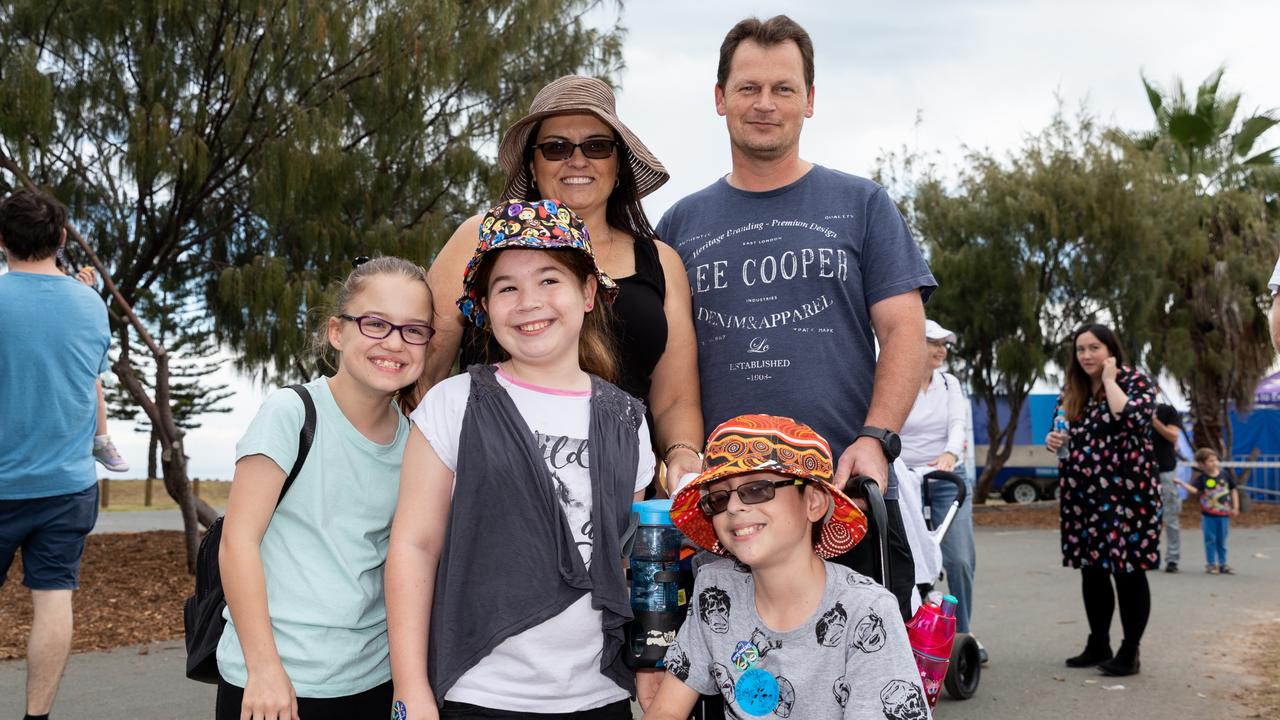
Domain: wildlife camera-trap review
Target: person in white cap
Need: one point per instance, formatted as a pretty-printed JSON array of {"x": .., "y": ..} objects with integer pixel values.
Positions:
[
  {"x": 1274, "y": 284},
  {"x": 934, "y": 438}
]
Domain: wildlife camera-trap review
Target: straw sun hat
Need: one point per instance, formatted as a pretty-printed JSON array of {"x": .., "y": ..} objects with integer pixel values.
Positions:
[{"x": 569, "y": 95}]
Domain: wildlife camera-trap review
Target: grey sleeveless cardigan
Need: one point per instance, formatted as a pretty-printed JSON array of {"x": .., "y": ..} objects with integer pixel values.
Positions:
[{"x": 509, "y": 560}]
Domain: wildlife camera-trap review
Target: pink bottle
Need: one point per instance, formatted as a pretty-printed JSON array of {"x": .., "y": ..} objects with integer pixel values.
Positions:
[{"x": 931, "y": 632}]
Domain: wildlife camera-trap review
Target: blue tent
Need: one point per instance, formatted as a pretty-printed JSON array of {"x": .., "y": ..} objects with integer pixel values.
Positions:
[{"x": 1259, "y": 431}]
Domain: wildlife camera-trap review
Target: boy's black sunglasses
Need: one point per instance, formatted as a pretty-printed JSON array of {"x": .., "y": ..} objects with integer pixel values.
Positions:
[
  {"x": 595, "y": 148},
  {"x": 752, "y": 493}
]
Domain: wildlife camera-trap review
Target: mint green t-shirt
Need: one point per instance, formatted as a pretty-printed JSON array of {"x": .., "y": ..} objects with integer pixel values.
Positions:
[{"x": 324, "y": 550}]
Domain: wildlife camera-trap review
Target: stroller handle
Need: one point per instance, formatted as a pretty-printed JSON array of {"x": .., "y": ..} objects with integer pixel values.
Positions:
[
  {"x": 961, "y": 488},
  {"x": 867, "y": 487},
  {"x": 940, "y": 530}
]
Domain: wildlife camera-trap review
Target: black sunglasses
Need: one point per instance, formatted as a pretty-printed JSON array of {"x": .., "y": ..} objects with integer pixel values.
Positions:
[
  {"x": 752, "y": 493},
  {"x": 374, "y": 327},
  {"x": 595, "y": 148}
]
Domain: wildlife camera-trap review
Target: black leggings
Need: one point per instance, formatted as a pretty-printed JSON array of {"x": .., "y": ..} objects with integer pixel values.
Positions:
[
  {"x": 1099, "y": 601},
  {"x": 372, "y": 704},
  {"x": 620, "y": 710}
]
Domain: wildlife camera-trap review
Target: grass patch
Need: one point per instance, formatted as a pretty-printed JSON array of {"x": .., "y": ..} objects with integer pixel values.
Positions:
[{"x": 127, "y": 495}]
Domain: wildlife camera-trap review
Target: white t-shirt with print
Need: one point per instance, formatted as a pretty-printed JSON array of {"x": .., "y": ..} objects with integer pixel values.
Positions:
[{"x": 553, "y": 667}]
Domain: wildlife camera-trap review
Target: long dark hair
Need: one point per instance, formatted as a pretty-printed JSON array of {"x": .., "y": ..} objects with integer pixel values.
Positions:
[
  {"x": 1079, "y": 386},
  {"x": 596, "y": 353},
  {"x": 623, "y": 209}
]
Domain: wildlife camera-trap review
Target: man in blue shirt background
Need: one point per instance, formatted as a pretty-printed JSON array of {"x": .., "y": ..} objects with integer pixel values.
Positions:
[{"x": 53, "y": 345}]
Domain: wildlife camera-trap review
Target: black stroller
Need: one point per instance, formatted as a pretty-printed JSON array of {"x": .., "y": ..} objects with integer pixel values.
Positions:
[{"x": 965, "y": 670}]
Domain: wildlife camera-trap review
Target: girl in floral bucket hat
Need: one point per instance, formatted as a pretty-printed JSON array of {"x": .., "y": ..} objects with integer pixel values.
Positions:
[
  {"x": 505, "y": 591},
  {"x": 781, "y": 631}
]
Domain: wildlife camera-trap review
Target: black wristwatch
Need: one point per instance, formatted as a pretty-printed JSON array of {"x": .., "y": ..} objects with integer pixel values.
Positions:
[{"x": 890, "y": 443}]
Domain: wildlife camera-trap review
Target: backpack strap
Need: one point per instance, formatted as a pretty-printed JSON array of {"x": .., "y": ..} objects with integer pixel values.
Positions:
[{"x": 305, "y": 436}]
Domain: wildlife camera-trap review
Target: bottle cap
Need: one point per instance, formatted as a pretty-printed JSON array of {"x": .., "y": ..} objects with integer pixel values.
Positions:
[
  {"x": 653, "y": 512},
  {"x": 949, "y": 603}
]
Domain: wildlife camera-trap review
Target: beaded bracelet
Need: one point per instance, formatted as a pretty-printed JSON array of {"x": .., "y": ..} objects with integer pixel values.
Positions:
[{"x": 676, "y": 446}]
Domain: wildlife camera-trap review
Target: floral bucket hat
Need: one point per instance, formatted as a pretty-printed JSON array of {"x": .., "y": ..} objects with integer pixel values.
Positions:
[
  {"x": 756, "y": 443},
  {"x": 529, "y": 224}
]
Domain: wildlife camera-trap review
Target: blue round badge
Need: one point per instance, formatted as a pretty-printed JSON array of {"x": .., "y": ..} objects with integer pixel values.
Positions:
[{"x": 757, "y": 692}]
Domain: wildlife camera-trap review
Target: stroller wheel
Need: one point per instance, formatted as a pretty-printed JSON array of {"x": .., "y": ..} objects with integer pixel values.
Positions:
[{"x": 965, "y": 670}]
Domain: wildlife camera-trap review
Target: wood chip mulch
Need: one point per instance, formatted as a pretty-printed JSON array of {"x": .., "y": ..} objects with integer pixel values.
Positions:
[
  {"x": 1045, "y": 515},
  {"x": 131, "y": 590}
]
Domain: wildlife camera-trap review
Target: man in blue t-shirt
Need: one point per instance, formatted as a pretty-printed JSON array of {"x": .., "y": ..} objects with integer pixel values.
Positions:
[
  {"x": 797, "y": 271},
  {"x": 55, "y": 346}
]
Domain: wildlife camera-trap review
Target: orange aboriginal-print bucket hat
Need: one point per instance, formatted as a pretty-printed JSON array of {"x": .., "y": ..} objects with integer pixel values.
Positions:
[{"x": 768, "y": 443}]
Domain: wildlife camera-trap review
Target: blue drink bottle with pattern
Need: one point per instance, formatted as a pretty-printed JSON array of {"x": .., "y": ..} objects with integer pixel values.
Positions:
[
  {"x": 655, "y": 558},
  {"x": 655, "y": 588},
  {"x": 1060, "y": 425}
]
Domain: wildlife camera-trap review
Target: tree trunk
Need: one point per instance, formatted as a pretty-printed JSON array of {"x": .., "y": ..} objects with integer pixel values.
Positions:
[
  {"x": 173, "y": 460},
  {"x": 153, "y": 451},
  {"x": 999, "y": 443},
  {"x": 152, "y": 448},
  {"x": 1207, "y": 428}
]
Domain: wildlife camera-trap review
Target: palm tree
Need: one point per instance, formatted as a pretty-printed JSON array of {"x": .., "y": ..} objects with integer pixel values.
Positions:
[{"x": 1214, "y": 339}]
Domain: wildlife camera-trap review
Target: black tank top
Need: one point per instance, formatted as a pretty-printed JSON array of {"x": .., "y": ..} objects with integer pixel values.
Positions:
[{"x": 639, "y": 324}]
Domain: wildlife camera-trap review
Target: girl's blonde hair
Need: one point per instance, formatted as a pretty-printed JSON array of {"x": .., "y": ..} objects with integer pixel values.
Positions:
[
  {"x": 596, "y": 351},
  {"x": 354, "y": 284}
]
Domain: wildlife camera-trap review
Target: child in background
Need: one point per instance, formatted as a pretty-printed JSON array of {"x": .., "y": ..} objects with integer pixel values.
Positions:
[
  {"x": 775, "y": 628},
  {"x": 505, "y": 587},
  {"x": 1219, "y": 501},
  {"x": 104, "y": 451},
  {"x": 306, "y": 634}
]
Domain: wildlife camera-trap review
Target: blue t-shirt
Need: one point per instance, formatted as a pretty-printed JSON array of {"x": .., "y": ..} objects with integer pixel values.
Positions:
[
  {"x": 54, "y": 346},
  {"x": 783, "y": 282},
  {"x": 325, "y": 548}
]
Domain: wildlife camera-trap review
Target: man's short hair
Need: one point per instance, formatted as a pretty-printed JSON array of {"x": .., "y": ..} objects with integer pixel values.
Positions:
[
  {"x": 31, "y": 224},
  {"x": 1205, "y": 453},
  {"x": 774, "y": 31}
]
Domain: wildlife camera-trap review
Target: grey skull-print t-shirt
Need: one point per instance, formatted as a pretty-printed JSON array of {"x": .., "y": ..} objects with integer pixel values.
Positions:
[{"x": 851, "y": 659}]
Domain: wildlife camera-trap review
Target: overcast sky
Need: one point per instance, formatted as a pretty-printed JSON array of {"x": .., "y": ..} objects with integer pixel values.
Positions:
[{"x": 977, "y": 74}]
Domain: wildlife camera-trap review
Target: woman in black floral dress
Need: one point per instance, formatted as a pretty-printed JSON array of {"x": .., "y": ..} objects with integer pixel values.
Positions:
[{"x": 1110, "y": 501}]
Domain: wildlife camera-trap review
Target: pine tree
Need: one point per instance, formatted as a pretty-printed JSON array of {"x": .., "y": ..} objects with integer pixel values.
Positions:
[
  {"x": 188, "y": 335},
  {"x": 256, "y": 148}
]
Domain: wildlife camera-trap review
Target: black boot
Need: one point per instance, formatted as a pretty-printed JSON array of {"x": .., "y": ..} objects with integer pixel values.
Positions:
[
  {"x": 1097, "y": 650},
  {"x": 1124, "y": 663}
]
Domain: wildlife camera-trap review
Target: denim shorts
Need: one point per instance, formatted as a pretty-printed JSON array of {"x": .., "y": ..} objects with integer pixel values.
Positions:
[{"x": 51, "y": 533}]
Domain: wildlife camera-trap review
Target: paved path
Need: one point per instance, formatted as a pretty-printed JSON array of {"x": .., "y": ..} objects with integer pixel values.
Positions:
[
  {"x": 1029, "y": 615},
  {"x": 138, "y": 520}
]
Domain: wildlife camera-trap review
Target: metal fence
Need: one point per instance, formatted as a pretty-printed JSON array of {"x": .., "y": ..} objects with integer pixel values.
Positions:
[{"x": 1264, "y": 476}]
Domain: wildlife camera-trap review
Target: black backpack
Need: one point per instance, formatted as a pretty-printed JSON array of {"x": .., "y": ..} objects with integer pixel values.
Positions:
[{"x": 202, "y": 612}]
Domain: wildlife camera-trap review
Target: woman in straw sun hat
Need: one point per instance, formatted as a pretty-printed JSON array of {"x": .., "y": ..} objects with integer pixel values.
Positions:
[{"x": 572, "y": 147}]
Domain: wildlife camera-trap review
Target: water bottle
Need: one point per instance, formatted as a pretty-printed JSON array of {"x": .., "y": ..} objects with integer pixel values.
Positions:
[
  {"x": 931, "y": 632},
  {"x": 1060, "y": 425},
  {"x": 656, "y": 596}
]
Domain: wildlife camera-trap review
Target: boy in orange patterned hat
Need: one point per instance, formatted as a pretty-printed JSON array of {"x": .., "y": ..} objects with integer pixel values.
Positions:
[{"x": 774, "y": 628}]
